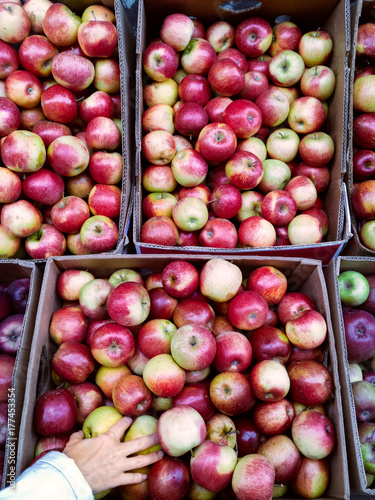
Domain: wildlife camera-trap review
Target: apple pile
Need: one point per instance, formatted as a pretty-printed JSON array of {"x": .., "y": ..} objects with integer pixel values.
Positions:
[
  {"x": 13, "y": 302},
  {"x": 357, "y": 294},
  {"x": 234, "y": 149},
  {"x": 363, "y": 196},
  {"x": 229, "y": 372},
  {"x": 60, "y": 130}
]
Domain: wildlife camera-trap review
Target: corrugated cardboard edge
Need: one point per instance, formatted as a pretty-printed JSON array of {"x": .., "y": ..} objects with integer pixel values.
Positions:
[
  {"x": 26, "y": 269},
  {"x": 303, "y": 274},
  {"x": 339, "y": 17},
  {"x": 356, "y": 467},
  {"x": 355, "y": 247}
]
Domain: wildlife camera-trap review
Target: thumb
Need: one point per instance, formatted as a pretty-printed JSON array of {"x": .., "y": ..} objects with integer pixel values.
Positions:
[{"x": 76, "y": 437}]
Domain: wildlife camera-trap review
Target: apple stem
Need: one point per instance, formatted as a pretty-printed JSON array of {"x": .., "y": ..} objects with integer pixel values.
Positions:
[
  {"x": 316, "y": 70},
  {"x": 229, "y": 433},
  {"x": 149, "y": 129},
  {"x": 71, "y": 48},
  {"x": 191, "y": 137},
  {"x": 209, "y": 202},
  {"x": 314, "y": 135},
  {"x": 281, "y": 135},
  {"x": 93, "y": 15},
  {"x": 162, "y": 195},
  {"x": 80, "y": 98}
]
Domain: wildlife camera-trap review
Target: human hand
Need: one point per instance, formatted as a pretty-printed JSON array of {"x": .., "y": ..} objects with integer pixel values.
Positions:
[{"x": 104, "y": 460}]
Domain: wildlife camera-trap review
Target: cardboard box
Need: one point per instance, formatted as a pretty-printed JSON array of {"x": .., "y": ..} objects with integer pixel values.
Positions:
[
  {"x": 11, "y": 270},
  {"x": 126, "y": 48},
  {"x": 365, "y": 265},
  {"x": 303, "y": 274},
  {"x": 361, "y": 12},
  {"x": 331, "y": 16}
]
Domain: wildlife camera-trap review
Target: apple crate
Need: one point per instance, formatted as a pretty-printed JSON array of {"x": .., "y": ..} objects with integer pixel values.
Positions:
[
  {"x": 11, "y": 270},
  {"x": 364, "y": 265},
  {"x": 331, "y": 16},
  {"x": 126, "y": 47},
  {"x": 361, "y": 12},
  {"x": 303, "y": 275}
]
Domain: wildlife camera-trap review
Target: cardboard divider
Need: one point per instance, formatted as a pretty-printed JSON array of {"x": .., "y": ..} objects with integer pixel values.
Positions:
[
  {"x": 126, "y": 48},
  {"x": 332, "y": 16},
  {"x": 303, "y": 274},
  {"x": 364, "y": 265},
  {"x": 11, "y": 270},
  {"x": 360, "y": 13}
]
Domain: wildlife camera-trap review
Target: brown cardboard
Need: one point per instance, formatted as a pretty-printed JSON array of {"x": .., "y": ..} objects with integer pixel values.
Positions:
[
  {"x": 126, "y": 48},
  {"x": 365, "y": 265},
  {"x": 11, "y": 270},
  {"x": 360, "y": 14},
  {"x": 332, "y": 16},
  {"x": 303, "y": 274}
]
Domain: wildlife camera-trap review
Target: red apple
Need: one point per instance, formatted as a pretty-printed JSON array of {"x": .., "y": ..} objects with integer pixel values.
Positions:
[
  {"x": 45, "y": 242},
  {"x": 220, "y": 35},
  {"x": 198, "y": 56},
  {"x": 97, "y": 38},
  {"x": 253, "y": 477},
  {"x": 226, "y": 77},
  {"x": 253, "y": 36},
  {"x": 180, "y": 278},
  {"x": 8, "y": 60},
  {"x": 14, "y": 22},
  {"x": 313, "y": 434},
  {"x": 218, "y": 233},
  {"x": 131, "y": 396},
  {"x": 233, "y": 352},
  {"x": 310, "y": 382},
  {"x": 231, "y": 393},
  {"x": 87, "y": 397},
  {"x": 163, "y": 376},
  {"x": 55, "y": 413},
  {"x": 256, "y": 232},
  {"x": 73, "y": 362},
  {"x": 59, "y": 104},
  {"x": 68, "y": 324},
  {"x": 273, "y": 418},
  {"x": 269, "y": 342}
]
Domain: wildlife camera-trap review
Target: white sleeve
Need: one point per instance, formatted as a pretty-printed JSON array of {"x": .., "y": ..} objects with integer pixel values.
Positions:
[{"x": 53, "y": 476}]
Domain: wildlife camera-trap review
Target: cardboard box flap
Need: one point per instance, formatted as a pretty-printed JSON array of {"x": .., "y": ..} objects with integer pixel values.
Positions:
[{"x": 237, "y": 10}]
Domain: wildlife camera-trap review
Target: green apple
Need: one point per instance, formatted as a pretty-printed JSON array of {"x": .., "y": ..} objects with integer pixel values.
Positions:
[
  {"x": 369, "y": 480},
  {"x": 355, "y": 373},
  {"x": 366, "y": 432},
  {"x": 145, "y": 425},
  {"x": 161, "y": 404},
  {"x": 100, "y": 420},
  {"x": 354, "y": 288},
  {"x": 124, "y": 275},
  {"x": 279, "y": 490},
  {"x": 102, "y": 494}
]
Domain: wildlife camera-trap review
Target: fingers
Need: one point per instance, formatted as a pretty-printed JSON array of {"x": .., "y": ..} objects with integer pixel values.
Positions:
[
  {"x": 75, "y": 438},
  {"x": 131, "y": 478},
  {"x": 120, "y": 427},
  {"x": 141, "y": 443},
  {"x": 131, "y": 463}
]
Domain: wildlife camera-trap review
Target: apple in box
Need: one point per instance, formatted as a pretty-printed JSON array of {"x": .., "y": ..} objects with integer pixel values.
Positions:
[
  {"x": 180, "y": 430},
  {"x": 212, "y": 465},
  {"x": 168, "y": 478},
  {"x": 231, "y": 393},
  {"x": 55, "y": 413}
]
